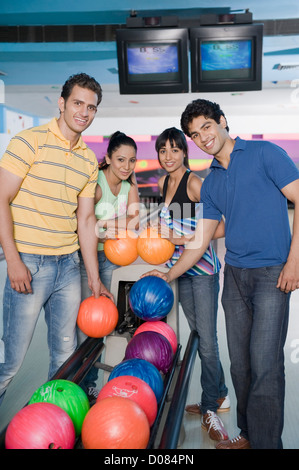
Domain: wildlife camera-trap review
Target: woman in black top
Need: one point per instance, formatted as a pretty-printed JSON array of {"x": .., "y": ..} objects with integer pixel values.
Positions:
[{"x": 198, "y": 287}]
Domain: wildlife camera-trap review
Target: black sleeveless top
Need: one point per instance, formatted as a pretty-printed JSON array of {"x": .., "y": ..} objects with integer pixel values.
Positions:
[{"x": 180, "y": 201}]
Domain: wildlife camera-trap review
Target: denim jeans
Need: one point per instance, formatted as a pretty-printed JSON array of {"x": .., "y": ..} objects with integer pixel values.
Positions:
[
  {"x": 106, "y": 269},
  {"x": 257, "y": 316},
  {"x": 198, "y": 296},
  {"x": 56, "y": 288}
]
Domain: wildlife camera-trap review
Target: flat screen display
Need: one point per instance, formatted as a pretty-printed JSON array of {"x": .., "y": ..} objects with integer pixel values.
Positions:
[
  {"x": 152, "y": 62},
  {"x": 226, "y": 59}
]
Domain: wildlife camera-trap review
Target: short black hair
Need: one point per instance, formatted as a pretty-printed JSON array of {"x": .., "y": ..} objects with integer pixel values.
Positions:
[
  {"x": 200, "y": 107},
  {"x": 84, "y": 81}
]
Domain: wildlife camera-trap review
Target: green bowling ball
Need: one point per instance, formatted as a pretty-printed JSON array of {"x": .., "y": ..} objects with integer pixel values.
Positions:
[{"x": 68, "y": 396}]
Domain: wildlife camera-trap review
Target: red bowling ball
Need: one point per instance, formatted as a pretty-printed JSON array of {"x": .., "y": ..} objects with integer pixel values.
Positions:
[
  {"x": 40, "y": 426},
  {"x": 135, "y": 389}
]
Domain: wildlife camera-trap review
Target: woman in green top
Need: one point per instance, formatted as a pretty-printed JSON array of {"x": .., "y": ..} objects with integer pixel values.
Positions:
[
  {"x": 116, "y": 207},
  {"x": 116, "y": 196}
]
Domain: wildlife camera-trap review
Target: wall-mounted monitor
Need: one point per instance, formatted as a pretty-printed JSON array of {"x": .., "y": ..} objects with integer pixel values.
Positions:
[
  {"x": 152, "y": 60},
  {"x": 226, "y": 58}
]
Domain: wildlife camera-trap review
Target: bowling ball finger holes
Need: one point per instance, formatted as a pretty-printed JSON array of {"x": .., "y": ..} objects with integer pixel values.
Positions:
[{"x": 53, "y": 446}]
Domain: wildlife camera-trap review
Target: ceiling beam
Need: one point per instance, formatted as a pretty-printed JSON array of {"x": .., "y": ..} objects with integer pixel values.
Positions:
[{"x": 106, "y": 33}]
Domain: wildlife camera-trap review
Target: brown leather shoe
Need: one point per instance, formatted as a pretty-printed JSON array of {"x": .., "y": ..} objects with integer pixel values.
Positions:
[
  {"x": 238, "y": 442},
  {"x": 214, "y": 426},
  {"x": 194, "y": 409},
  {"x": 224, "y": 405}
]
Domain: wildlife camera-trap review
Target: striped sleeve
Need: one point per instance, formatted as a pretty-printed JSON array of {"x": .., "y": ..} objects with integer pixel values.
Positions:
[
  {"x": 89, "y": 188},
  {"x": 209, "y": 263},
  {"x": 20, "y": 154}
]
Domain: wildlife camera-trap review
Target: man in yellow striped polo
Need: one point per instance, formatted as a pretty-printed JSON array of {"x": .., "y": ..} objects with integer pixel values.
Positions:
[{"x": 47, "y": 183}]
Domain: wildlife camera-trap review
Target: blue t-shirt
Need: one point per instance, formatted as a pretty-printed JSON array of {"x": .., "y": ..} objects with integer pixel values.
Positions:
[{"x": 247, "y": 193}]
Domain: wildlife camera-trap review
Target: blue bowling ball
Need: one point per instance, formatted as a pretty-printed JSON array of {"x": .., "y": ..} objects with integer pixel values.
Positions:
[
  {"x": 142, "y": 369},
  {"x": 151, "y": 298}
]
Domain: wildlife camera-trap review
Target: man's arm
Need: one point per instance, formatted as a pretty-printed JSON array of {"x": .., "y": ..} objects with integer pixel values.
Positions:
[
  {"x": 194, "y": 250},
  {"x": 289, "y": 276},
  {"x": 89, "y": 245},
  {"x": 19, "y": 275}
]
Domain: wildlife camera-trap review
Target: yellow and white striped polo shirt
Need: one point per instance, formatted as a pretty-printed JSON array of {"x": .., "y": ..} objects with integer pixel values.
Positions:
[{"x": 44, "y": 210}]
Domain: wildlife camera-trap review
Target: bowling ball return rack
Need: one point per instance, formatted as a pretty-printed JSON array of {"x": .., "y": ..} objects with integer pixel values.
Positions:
[{"x": 167, "y": 431}]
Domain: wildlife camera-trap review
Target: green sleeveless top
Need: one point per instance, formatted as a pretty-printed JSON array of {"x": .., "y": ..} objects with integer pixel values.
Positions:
[{"x": 111, "y": 206}]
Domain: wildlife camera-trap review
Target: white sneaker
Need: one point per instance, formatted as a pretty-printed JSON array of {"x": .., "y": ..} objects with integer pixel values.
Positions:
[{"x": 224, "y": 404}]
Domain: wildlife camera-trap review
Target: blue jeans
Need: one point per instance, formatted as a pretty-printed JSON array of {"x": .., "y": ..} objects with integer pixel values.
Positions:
[
  {"x": 106, "y": 269},
  {"x": 56, "y": 288},
  {"x": 198, "y": 296},
  {"x": 257, "y": 315}
]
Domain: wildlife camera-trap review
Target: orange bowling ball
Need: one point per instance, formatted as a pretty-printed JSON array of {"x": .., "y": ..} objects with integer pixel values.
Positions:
[
  {"x": 123, "y": 250},
  {"x": 115, "y": 423},
  {"x": 152, "y": 248},
  {"x": 97, "y": 317}
]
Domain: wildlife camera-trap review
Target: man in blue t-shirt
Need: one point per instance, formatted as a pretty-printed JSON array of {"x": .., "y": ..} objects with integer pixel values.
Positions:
[{"x": 249, "y": 184}]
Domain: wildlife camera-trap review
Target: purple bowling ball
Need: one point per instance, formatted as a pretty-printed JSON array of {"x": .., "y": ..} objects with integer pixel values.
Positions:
[{"x": 152, "y": 347}]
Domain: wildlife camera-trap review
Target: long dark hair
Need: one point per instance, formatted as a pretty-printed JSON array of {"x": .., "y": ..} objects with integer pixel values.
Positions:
[
  {"x": 176, "y": 139},
  {"x": 117, "y": 140}
]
